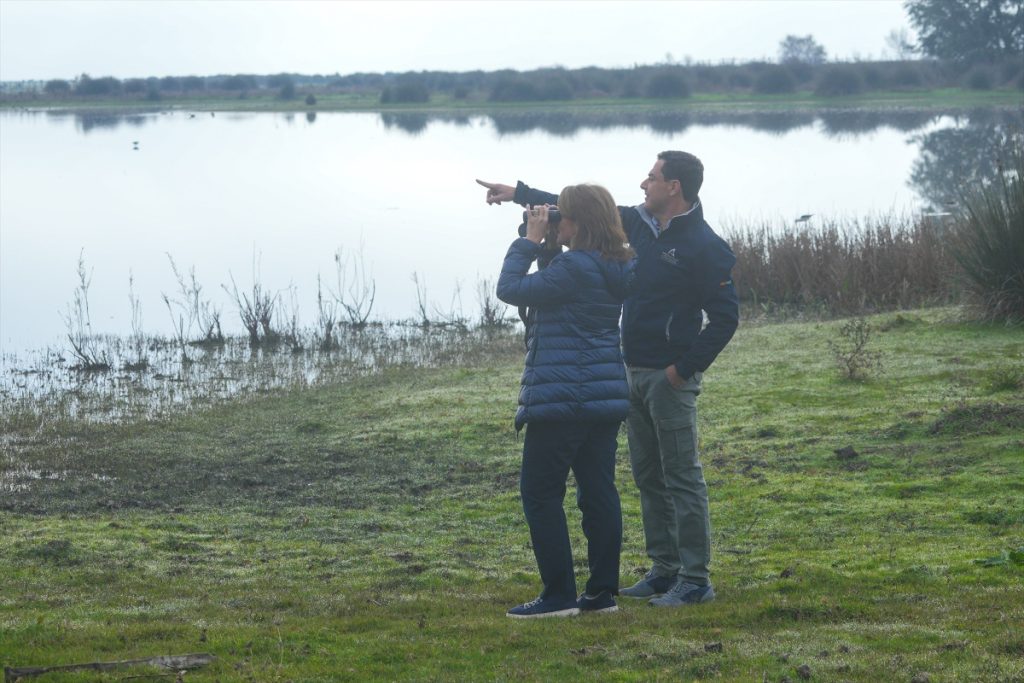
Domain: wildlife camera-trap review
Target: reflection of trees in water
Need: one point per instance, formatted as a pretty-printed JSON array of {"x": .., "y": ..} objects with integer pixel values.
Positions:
[
  {"x": 87, "y": 121},
  {"x": 844, "y": 122},
  {"x": 311, "y": 117},
  {"x": 953, "y": 160},
  {"x": 835, "y": 122},
  {"x": 557, "y": 123},
  {"x": 778, "y": 121},
  {"x": 413, "y": 123},
  {"x": 669, "y": 122},
  {"x": 839, "y": 122}
]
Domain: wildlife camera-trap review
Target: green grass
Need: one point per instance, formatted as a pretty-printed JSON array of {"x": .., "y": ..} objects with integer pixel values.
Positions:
[
  {"x": 442, "y": 103},
  {"x": 373, "y": 530}
]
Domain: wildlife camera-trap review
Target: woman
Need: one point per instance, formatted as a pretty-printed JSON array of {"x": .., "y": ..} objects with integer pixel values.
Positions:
[{"x": 574, "y": 393}]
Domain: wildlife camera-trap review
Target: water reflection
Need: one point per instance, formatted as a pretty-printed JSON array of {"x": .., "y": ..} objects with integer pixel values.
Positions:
[
  {"x": 413, "y": 123},
  {"x": 88, "y": 121},
  {"x": 569, "y": 122},
  {"x": 779, "y": 122},
  {"x": 953, "y": 160},
  {"x": 203, "y": 190}
]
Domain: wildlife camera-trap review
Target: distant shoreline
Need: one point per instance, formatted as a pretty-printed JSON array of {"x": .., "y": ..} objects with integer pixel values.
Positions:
[{"x": 919, "y": 99}]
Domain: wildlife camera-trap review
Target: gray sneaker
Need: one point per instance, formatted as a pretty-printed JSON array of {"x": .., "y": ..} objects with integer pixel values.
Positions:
[
  {"x": 684, "y": 593},
  {"x": 650, "y": 585}
]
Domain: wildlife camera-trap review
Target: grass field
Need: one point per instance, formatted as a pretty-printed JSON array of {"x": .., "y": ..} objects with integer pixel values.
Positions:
[{"x": 372, "y": 529}]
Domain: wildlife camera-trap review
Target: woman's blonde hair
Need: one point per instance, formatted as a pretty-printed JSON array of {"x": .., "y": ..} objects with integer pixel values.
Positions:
[{"x": 599, "y": 226}]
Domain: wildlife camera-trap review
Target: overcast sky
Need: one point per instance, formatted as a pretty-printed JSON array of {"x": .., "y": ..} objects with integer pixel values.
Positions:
[{"x": 42, "y": 39}]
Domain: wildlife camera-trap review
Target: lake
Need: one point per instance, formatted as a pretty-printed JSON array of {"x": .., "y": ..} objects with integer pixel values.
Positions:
[{"x": 233, "y": 194}]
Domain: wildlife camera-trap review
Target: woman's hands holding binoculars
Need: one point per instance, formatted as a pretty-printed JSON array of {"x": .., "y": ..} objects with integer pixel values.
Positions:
[{"x": 539, "y": 226}]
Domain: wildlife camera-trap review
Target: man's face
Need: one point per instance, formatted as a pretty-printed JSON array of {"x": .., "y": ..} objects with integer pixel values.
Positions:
[{"x": 657, "y": 191}]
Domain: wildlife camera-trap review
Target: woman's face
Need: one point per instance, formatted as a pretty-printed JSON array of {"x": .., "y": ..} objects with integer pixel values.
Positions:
[{"x": 566, "y": 231}]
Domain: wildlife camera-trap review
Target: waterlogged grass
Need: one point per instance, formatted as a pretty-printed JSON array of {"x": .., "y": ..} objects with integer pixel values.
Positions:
[
  {"x": 371, "y": 528},
  {"x": 162, "y": 377}
]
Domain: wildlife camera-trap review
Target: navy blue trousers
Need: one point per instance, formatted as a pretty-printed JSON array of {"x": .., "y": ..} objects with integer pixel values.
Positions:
[{"x": 550, "y": 450}]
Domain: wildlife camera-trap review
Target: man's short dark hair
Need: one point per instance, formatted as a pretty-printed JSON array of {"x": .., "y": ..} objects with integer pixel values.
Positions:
[{"x": 685, "y": 168}]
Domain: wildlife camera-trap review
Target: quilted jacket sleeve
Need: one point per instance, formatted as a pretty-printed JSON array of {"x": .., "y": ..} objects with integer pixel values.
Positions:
[{"x": 518, "y": 287}]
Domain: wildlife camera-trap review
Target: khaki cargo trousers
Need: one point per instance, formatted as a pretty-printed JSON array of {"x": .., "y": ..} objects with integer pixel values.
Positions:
[{"x": 662, "y": 431}]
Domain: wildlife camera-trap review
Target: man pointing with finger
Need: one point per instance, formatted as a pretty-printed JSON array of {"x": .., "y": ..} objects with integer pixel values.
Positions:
[{"x": 683, "y": 272}]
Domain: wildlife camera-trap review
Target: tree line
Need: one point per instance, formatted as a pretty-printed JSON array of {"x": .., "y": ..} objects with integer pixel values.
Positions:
[
  {"x": 660, "y": 81},
  {"x": 975, "y": 44}
]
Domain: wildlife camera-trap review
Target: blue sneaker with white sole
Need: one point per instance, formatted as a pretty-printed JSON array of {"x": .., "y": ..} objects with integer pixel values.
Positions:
[{"x": 602, "y": 603}]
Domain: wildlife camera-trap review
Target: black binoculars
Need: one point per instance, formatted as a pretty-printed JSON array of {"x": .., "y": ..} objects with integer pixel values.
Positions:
[{"x": 553, "y": 216}]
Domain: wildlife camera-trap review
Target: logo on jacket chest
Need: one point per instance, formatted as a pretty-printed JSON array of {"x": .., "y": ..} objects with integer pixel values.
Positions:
[{"x": 669, "y": 257}]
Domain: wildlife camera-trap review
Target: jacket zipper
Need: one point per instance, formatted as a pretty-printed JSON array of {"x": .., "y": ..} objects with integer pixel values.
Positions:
[{"x": 668, "y": 323}]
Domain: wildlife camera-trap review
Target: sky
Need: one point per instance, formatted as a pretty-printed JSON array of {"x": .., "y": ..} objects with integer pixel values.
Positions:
[{"x": 44, "y": 39}]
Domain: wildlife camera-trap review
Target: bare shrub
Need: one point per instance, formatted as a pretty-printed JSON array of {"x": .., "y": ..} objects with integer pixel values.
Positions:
[
  {"x": 255, "y": 309},
  {"x": 178, "y": 324},
  {"x": 850, "y": 351},
  {"x": 421, "y": 299},
  {"x": 327, "y": 319},
  {"x": 194, "y": 310},
  {"x": 356, "y": 288},
  {"x": 137, "y": 340},
  {"x": 492, "y": 309},
  {"x": 289, "y": 322},
  {"x": 454, "y": 315},
  {"x": 79, "y": 325}
]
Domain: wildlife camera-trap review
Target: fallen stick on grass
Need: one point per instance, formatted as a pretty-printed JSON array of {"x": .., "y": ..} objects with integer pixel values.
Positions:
[{"x": 173, "y": 662}]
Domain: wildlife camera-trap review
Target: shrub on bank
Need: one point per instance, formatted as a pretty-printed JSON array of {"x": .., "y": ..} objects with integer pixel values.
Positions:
[
  {"x": 980, "y": 79},
  {"x": 776, "y": 80},
  {"x": 989, "y": 242},
  {"x": 668, "y": 84},
  {"x": 905, "y": 76},
  {"x": 840, "y": 80}
]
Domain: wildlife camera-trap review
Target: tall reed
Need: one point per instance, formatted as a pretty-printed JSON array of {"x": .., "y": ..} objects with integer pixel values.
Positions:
[{"x": 844, "y": 267}]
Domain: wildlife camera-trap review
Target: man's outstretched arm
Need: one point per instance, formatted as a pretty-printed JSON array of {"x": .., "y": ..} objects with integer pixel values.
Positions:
[
  {"x": 497, "y": 193},
  {"x": 521, "y": 194}
]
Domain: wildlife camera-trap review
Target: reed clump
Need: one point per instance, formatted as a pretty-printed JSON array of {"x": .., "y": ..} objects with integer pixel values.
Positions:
[{"x": 844, "y": 268}]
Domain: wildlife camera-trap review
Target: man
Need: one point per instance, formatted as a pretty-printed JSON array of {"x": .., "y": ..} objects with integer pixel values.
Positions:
[{"x": 683, "y": 271}]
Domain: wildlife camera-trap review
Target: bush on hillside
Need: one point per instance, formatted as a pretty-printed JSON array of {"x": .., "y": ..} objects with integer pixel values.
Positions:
[
  {"x": 513, "y": 89},
  {"x": 405, "y": 93},
  {"x": 775, "y": 81},
  {"x": 980, "y": 79},
  {"x": 668, "y": 84},
  {"x": 905, "y": 76},
  {"x": 838, "y": 81}
]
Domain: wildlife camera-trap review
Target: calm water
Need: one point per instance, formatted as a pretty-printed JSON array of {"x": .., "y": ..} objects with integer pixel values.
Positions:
[{"x": 221, "y": 192}]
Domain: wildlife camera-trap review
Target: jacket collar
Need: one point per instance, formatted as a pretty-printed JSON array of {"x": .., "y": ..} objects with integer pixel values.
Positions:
[{"x": 692, "y": 217}]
